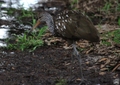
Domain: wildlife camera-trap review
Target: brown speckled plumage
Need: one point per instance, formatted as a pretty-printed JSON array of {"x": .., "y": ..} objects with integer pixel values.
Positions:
[{"x": 71, "y": 25}]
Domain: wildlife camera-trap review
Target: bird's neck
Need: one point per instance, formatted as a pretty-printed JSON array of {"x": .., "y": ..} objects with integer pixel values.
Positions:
[{"x": 50, "y": 24}]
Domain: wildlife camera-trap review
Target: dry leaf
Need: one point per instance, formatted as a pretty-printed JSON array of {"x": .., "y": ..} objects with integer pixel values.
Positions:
[
  {"x": 104, "y": 69},
  {"x": 102, "y": 73},
  {"x": 103, "y": 59}
]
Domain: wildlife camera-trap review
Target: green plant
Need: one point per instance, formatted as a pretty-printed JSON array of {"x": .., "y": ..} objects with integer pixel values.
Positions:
[
  {"x": 105, "y": 42},
  {"x": 61, "y": 82},
  {"x": 111, "y": 6},
  {"x": 119, "y": 21},
  {"x": 74, "y": 4},
  {"x": 106, "y": 7},
  {"x": 74, "y": 1},
  {"x": 21, "y": 14},
  {"x": 26, "y": 41},
  {"x": 11, "y": 11},
  {"x": 25, "y": 13},
  {"x": 116, "y": 38},
  {"x": 113, "y": 36},
  {"x": 117, "y": 8}
]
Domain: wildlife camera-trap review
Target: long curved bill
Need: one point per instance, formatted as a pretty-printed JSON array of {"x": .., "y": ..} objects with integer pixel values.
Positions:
[{"x": 37, "y": 24}]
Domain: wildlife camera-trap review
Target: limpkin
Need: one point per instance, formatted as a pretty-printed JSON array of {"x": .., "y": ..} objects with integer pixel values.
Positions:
[{"x": 69, "y": 24}]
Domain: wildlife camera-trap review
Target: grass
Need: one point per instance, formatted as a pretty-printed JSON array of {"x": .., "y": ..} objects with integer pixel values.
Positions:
[
  {"x": 74, "y": 4},
  {"x": 106, "y": 7},
  {"x": 116, "y": 38},
  {"x": 106, "y": 43},
  {"x": 111, "y": 6},
  {"x": 61, "y": 82},
  {"x": 25, "y": 13},
  {"x": 22, "y": 14},
  {"x": 113, "y": 36},
  {"x": 119, "y": 21},
  {"x": 26, "y": 41}
]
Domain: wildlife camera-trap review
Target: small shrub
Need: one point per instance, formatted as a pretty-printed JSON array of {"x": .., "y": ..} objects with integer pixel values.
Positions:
[
  {"x": 113, "y": 36},
  {"x": 26, "y": 41},
  {"x": 61, "y": 82}
]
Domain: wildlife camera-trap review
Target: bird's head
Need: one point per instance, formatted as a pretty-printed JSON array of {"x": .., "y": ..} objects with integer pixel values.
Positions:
[{"x": 44, "y": 17}]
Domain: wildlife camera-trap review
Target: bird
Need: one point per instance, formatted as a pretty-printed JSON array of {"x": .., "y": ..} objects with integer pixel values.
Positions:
[{"x": 71, "y": 25}]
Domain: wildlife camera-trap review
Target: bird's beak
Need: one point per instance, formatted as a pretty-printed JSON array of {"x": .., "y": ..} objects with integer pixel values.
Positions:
[{"x": 37, "y": 24}]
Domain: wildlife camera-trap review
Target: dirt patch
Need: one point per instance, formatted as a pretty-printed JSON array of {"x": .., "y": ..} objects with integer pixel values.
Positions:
[{"x": 47, "y": 65}]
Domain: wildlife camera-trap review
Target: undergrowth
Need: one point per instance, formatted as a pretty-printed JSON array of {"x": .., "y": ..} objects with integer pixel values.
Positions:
[
  {"x": 112, "y": 36},
  {"x": 27, "y": 41},
  {"x": 61, "y": 82}
]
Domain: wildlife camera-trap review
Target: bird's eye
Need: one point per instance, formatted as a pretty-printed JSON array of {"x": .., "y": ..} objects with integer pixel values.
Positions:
[{"x": 39, "y": 17}]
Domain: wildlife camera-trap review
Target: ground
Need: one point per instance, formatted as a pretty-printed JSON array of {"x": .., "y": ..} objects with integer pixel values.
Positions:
[{"x": 54, "y": 65}]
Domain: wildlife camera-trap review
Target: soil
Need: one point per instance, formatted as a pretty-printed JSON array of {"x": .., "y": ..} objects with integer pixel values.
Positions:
[{"x": 49, "y": 65}]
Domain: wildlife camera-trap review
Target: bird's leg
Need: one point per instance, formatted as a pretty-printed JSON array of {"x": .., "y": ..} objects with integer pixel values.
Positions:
[{"x": 78, "y": 56}]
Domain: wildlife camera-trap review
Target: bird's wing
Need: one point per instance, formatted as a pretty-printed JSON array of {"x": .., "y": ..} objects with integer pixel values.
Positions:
[
  {"x": 88, "y": 30},
  {"x": 74, "y": 25}
]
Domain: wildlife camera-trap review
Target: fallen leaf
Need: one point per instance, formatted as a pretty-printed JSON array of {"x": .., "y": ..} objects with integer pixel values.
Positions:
[{"x": 102, "y": 73}]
